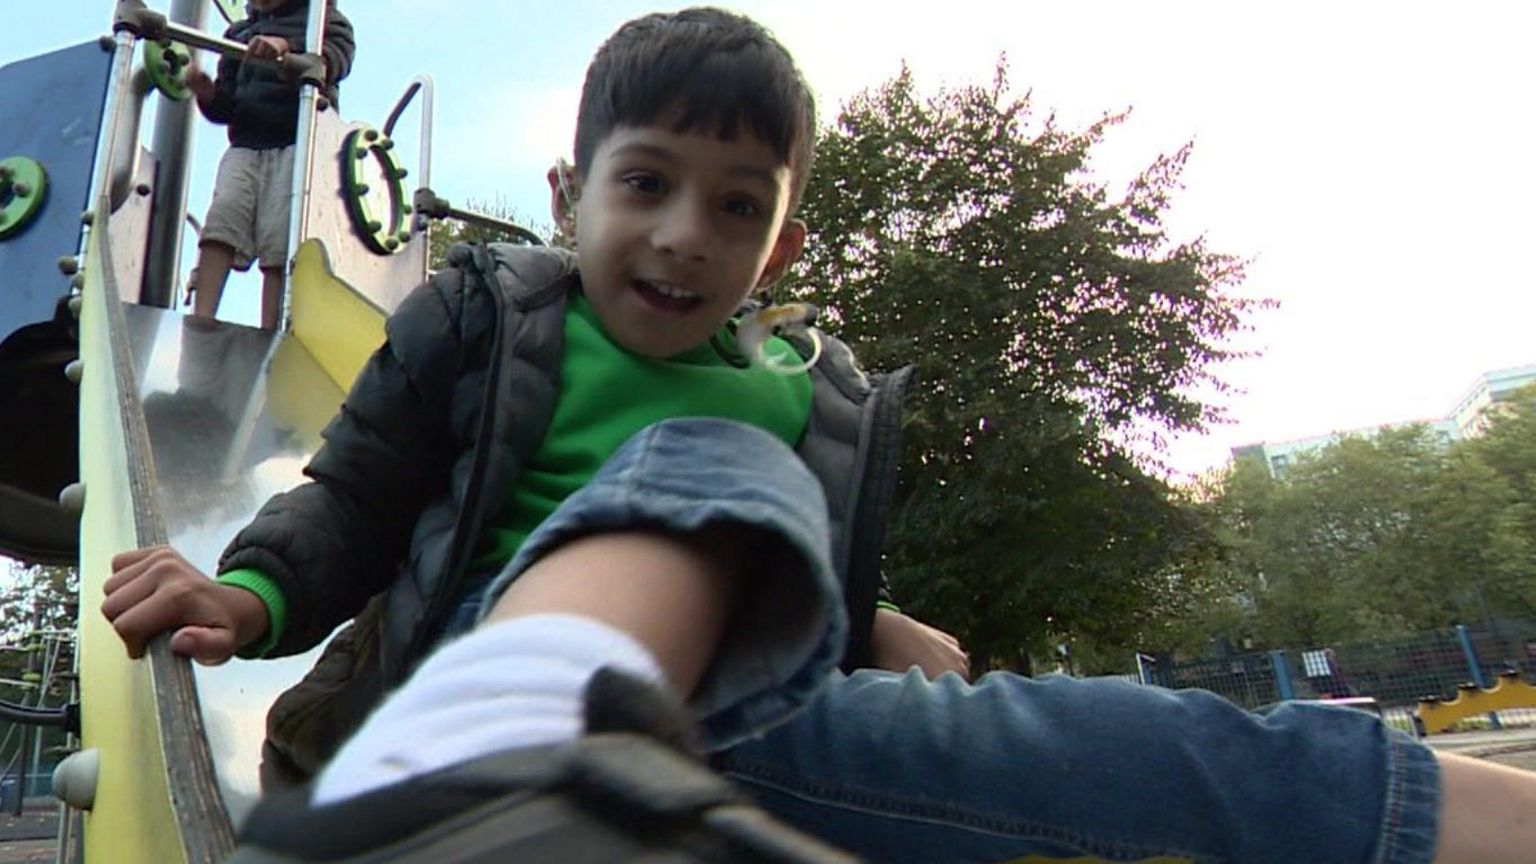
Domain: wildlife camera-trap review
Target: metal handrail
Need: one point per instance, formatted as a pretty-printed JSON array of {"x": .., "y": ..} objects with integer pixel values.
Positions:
[
  {"x": 134, "y": 17},
  {"x": 63, "y": 717},
  {"x": 420, "y": 84},
  {"x": 127, "y": 167},
  {"x": 430, "y": 206}
]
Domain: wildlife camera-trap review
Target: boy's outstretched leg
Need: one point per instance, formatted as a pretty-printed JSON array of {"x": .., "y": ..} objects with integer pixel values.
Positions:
[
  {"x": 556, "y": 730},
  {"x": 1488, "y": 812},
  {"x": 897, "y": 768}
]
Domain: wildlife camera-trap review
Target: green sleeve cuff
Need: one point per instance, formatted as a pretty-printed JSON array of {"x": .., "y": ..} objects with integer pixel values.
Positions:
[
  {"x": 271, "y": 595},
  {"x": 887, "y": 606}
]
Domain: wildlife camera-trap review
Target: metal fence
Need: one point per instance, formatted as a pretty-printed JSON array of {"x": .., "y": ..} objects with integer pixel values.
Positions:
[{"x": 1397, "y": 674}]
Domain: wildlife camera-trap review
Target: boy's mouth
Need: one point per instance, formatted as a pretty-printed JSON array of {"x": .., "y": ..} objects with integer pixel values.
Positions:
[{"x": 666, "y": 296}]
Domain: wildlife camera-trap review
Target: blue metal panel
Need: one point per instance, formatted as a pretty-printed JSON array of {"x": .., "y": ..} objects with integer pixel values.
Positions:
[{"x": 50, "y": 111}]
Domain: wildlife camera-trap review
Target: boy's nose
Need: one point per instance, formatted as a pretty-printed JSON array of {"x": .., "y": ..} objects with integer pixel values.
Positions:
[{"x": 683, "y": 231}]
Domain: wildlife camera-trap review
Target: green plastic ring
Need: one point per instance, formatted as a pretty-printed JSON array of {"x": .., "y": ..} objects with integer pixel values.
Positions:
[
  {"x": 167, "y": 64},
  {"x": 384, "y": 236},
  {"x": 23, "y": 188}
]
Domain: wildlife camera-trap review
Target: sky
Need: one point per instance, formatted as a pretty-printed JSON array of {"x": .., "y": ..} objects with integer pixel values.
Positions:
[{"x": 1372, "y": 160}]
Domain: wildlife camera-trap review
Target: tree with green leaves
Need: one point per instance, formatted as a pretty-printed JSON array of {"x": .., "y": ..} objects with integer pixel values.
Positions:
[
  {"x": 36, "y": 595},
  {"x": 1054, "y": 326},
  {"x": 34, "y": 598},
  {"x": 1496, "y": 472},
  {"x": 1382, "y": 536}
]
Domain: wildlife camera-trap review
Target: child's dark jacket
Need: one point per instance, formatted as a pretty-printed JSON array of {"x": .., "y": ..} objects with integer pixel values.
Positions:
[
  {"x": 414, "y": 466},
  {"x": 260, "y": 108}
]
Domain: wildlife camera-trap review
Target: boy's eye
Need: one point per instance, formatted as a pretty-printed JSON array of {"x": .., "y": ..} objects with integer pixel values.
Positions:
[
  {"x": 644, "y": 182},
  {"x": 745, "y": 207}
]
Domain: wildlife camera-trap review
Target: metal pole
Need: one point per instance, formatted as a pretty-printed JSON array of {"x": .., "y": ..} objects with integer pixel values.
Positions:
[
  {"x": 1282, "y": 675},
  {"x": 21, "y": 770},
  {"x": 303, "y": 158},
  {"x": 1465, "y": 638},
  {"x": 193, "y": 37},
  {"x": 52, "y": 645},
  {"x": 119, "y": 82},
  {"x": 28, "y": 734},
  {"x": 173, "y": 147},
  {"x": 422, "y": 84}
]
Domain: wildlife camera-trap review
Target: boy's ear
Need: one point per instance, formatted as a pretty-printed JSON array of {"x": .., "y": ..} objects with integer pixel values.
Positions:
[
  {"x": 786, "y": 251},
  {"x": 562, "y": 196}
]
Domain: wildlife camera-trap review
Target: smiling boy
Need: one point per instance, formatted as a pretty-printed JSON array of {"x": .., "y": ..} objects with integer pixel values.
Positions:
[
  {"x": 578, "y": 456},
  {"x": 527, "y": 399}
]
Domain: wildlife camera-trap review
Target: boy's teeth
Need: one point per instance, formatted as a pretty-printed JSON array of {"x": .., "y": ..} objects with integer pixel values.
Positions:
[{"x": 673, "y": 291}]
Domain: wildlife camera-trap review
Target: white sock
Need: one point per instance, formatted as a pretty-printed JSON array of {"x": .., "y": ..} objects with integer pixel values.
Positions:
[{"x": 516, "y": 683}]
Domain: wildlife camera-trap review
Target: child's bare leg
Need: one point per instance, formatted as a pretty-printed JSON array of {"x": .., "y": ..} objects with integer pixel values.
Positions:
[
  {"x": 1487, "y": 812},
  {"x": 671, "y": 593},
  {"x": 214, "y": 260},
  {"x": 650, "y": 604},
  {"x": 271, "y": 296}
]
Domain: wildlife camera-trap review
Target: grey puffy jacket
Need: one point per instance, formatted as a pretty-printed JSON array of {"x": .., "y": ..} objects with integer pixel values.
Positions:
[{"x": 414, "y": 465}]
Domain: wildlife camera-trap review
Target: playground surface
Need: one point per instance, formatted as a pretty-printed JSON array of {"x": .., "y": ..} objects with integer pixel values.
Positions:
[
  {"x": 1513, "y": 747},
  {"x": 32, "y": 837}
]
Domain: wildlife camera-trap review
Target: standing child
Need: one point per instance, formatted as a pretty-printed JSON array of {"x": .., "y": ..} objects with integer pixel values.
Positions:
[
  {"x": 248, "y": 218},
  {"x": 589, "y": 458}
]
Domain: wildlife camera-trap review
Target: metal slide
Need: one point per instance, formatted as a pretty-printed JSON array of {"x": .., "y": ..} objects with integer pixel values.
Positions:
[{"x": 185, "y": 426}]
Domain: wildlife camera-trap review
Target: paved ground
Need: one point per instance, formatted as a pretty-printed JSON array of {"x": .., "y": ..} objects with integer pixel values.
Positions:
[
  {"x": 1515, "y": 747},
  {"x": 27, "y": 852},
  {"x": 31, "y": 837}
]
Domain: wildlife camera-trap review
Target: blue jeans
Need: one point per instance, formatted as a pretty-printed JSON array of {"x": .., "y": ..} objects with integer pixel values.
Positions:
[
  {"x": 679, "y": 476},
  {"x": 897, "y": 768}
]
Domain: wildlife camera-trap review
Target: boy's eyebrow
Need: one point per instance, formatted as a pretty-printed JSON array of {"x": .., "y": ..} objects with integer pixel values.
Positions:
[{"x": 752, "y": 172}]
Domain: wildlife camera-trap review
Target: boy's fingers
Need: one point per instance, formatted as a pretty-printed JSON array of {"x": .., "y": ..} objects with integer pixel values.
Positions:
[
  {"x": 138, "y": 625},
  {"x": 161, "y": 565},
  {"x": 209, "y": 646},
  {"x": 154, "y": 613},
  {"x": 123, "y": 597},
  {"x": 126, "y": 561},
  {"x": 123, "y": 559}
]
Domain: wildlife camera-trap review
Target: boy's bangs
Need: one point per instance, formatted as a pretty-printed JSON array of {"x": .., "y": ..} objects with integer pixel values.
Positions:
[
  {"x": 715, "y": 94},
  {"x": 720, "y": 100}
]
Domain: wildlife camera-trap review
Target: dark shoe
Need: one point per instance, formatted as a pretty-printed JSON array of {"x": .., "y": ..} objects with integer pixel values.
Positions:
[{"x": 630, "y": 790}]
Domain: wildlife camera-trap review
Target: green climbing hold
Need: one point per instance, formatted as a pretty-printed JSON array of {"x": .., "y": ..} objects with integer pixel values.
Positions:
[
  {"x": 23, "y": 189},
  {"x": 383, "y": 233},
  {"x": 167, "y": 62}
]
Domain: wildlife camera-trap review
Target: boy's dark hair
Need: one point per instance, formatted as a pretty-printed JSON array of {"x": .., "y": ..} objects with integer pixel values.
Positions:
[{"x": 717, "y": 68}]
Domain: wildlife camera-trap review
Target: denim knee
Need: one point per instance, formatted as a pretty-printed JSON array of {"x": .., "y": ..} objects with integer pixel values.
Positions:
[{"x": 682, "y": 475}]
